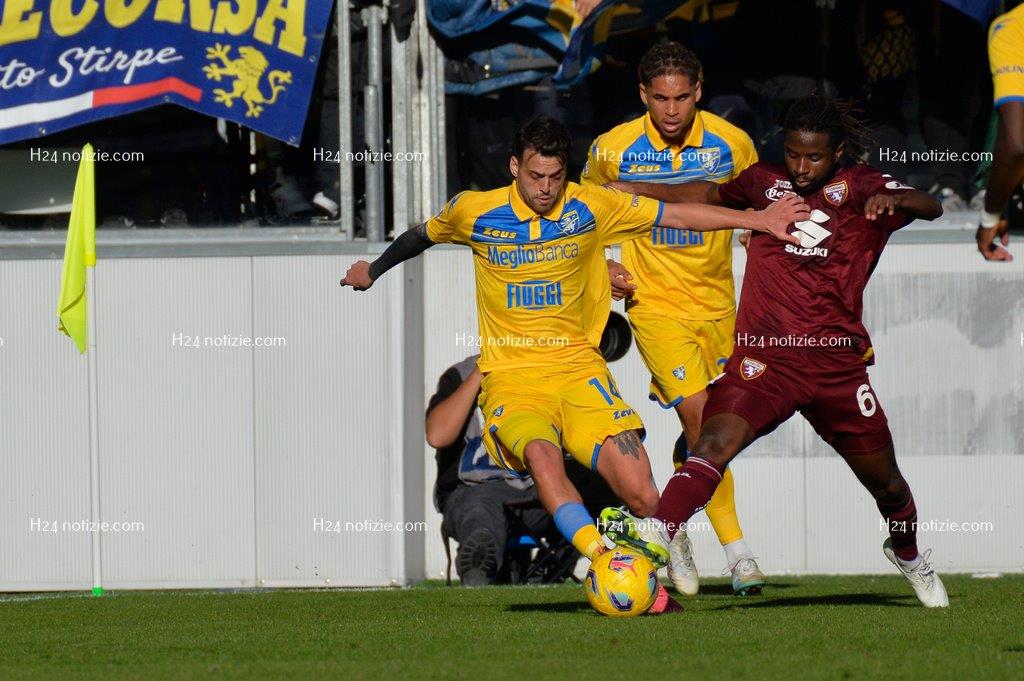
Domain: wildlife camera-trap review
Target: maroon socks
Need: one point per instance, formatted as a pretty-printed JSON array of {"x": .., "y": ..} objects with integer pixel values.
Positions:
[
  {"x": 901, "y": 519},
  {"x": 688, "y": 491}
]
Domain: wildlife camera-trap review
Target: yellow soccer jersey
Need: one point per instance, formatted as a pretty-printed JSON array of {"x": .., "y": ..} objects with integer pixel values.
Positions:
[
  {"x": 533, "y": 271},
  {"x": 677, "y": 272},
  {"x": 1006, "y": 56}
]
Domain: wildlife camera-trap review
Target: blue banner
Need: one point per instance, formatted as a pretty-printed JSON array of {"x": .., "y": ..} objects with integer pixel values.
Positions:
[{"x": 68, "y": 62}]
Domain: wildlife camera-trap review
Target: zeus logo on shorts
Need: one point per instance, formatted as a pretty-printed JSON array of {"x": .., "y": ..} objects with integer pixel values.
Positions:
[
  {"x": 751, "y": 368},
  {"x": 533, "y": 295}
]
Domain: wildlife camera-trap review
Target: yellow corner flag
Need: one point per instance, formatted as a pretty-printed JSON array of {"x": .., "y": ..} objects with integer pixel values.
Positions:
[{"x": 79, "y": 253}]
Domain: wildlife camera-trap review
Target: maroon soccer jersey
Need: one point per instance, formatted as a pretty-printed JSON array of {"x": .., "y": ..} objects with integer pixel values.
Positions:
[{"x": 811, "y": 296}]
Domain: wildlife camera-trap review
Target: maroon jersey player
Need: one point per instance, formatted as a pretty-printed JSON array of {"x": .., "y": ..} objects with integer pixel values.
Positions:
[{"x": 800, "y": 342}]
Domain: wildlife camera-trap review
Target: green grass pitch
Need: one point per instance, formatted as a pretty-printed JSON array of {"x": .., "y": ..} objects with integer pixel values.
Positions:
[{"x": 806, "y": 627}]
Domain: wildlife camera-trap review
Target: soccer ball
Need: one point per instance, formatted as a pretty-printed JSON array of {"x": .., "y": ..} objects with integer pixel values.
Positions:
[{"x": 621, "y": 583}]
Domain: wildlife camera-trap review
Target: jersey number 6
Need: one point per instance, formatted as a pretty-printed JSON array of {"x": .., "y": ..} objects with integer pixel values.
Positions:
[{"x": 865, "y": 400}]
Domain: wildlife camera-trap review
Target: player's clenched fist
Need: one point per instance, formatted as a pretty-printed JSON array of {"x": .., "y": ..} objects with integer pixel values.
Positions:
[
  {"x": 358, "y": 276},
  {"x": 777, "y": 217},
  {"x": 620, "y": 277}
]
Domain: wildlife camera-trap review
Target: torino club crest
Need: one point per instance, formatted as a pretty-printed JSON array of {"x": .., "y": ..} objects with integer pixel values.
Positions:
[
  {"x": 751, "y": 368},
  {"x": 835, "y": 193}
]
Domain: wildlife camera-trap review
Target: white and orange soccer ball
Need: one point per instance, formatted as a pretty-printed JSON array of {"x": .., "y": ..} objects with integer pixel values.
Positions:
[{"x": 621, "y": 583}]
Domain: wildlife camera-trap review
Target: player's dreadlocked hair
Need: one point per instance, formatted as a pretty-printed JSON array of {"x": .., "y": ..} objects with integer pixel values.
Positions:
[
  {"x": 818, "y": 113},
  {"x": 545, "y": 135},
  {"x": 667, "y": 58}
]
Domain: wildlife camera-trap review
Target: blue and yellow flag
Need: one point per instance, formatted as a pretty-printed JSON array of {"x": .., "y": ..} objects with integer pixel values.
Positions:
[
  {"x": 493, "y": 44},
  {"x": 64, "y": 63},
  {"x": 79, "y": 253},
  {"x": 587, "y": 45}
]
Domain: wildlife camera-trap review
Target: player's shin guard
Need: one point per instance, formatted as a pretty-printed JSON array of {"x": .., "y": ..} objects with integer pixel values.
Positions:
[
  {"x": 721, "y": 511},
  {"x": 576, "y": 525},
  {"x": 687, "y": 492},
  {"x": 901, "y": 519}
]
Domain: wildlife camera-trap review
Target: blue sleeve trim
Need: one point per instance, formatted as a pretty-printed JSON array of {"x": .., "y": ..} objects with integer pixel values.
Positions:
[
  {"x": 1003, "y": 100},
  {"x": 593, "y": 457},
  {"x": 661, "y": 209},
  {"x": 570, "y": 518},
  {"x": 663, "y": 405}
]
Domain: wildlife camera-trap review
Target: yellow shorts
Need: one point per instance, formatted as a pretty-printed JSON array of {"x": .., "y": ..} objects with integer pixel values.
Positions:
[
  {"x": 574, "y": 407},
  {"x": 682, "y": 355}
]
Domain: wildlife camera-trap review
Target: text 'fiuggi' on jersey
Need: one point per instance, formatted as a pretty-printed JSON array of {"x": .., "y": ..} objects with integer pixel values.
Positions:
[
  {"x": 673, "y": 236},
  {"x": 534, "y": 295}
]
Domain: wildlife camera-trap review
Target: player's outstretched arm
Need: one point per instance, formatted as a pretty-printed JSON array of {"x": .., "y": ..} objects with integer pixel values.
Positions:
[
  {"x": 408, "y": 245},
  {"x": 775, "y": 219},
  {"x": 916, "y": 203},
  {"x": 686, "y": 192}
]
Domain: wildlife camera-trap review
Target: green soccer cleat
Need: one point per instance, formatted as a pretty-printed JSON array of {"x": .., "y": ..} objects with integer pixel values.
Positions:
[
  {"x": 639, "y": 534},
  {"x": 747, "y": 578}
]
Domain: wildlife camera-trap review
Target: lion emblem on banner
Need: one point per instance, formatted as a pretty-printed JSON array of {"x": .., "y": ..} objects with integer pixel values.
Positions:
[{"x": 247, "y": 70}]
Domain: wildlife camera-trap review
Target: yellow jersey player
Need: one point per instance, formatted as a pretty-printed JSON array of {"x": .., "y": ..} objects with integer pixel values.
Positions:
[
  {"x": 681, "y": 301},
  {"x": 546, "y": 387},
  {"x": 1006, "y": 58}
]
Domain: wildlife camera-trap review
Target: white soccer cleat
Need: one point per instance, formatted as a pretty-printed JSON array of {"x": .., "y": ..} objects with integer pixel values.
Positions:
[
  {"x": 682, "y": 570},
  {"x": 927, "y": 585},
  {"x": 747, "y": 578}
]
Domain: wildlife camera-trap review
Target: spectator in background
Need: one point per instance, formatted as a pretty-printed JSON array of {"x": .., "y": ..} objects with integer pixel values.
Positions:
[
  {"x": 954, "y": 88},
  {"x": 910, "y": 52},
  {"x": 471, "y": 492},
  {"x": 303, "y": 183}
]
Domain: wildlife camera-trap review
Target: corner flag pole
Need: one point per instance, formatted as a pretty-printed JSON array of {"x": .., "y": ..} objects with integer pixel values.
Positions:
[
  {"x": 94, "y": 447},
  {"x": 77, "y": 288}
]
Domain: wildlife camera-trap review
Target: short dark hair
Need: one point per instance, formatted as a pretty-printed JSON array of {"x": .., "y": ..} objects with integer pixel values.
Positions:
[
  {"x": 668, "y": 58},
  {"x": 819, "y": 113},
  {"x": 544, "y": 135}
]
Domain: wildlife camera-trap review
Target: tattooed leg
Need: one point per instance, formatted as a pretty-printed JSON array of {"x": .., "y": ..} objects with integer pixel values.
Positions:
[{"x": 623, "y": 463}]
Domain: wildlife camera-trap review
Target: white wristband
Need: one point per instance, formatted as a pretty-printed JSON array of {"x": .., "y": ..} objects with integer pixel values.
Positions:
[{"x": 989, "y": 220}]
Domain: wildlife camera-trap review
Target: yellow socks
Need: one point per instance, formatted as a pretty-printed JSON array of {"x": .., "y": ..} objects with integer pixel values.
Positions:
[{"x": 721, "y": 511}]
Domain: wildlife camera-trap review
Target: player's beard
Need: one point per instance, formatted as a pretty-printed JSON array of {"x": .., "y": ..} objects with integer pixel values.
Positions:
[
  {"x": 536, "y": 207},
  {"x": 814, "y": 187}
]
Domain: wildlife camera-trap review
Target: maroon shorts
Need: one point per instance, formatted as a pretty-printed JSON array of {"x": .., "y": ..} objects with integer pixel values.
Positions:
[{"x": 830, "y": 389}]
